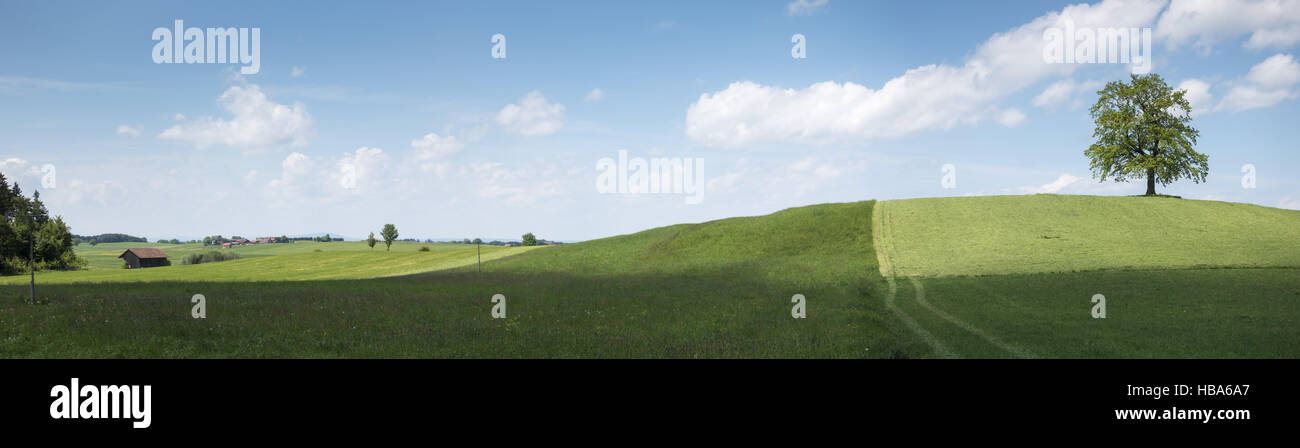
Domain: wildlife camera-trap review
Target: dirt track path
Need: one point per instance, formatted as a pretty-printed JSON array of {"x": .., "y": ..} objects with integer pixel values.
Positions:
[{"x": 880, "y": 220}]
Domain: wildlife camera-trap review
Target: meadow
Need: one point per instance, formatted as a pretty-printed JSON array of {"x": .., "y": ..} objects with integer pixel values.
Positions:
[
  {"x": 1008, "y": 276},
  {"x": 275, "y": 262},
  {"x": 1013, "y": 276},
  {"x": 716, "y": 289},
  {"x": 1060, "y": 233}
]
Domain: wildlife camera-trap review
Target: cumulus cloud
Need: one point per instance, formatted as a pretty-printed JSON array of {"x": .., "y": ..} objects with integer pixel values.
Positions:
[
  {"x": 255, "y": 122},
  {"x": 532, "y": 115},
  {"x": 297, "y": 71},
  {"x": 1203, "y": 23},
  {"x": 432, "y": 147},
  {"x": 804, "y": 7},
  {"x": 929, "y": 97},
  {"x": 1063, "y": 181},
  {"x": 362, "y": 168},
  {"x": 1198, "y": 95},
  {"x": 293, "y": 169},
  {"x": 301, "y": 176},
  {"x": 1267, "y": 84},
  {"x": 127, "y": 131},
  {"x": 595, "y": 95},
  {"x": 1011, "y": 118},
  {"x": 1065, "y": 90},
  {"x": 19, "y": 170}
]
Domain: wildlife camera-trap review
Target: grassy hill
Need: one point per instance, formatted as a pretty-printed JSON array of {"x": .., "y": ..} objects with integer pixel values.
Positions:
[
  {"x": 1057, "y": 233},
  {"x": 1013, "y": 276},
  {"x": 966, "y": 277},
  {"x": 716, "y": 289}
]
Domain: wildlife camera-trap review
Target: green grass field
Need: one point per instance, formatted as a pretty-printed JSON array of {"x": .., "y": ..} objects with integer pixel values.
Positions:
[
  {"x": 1008, "y": 276},
  {"x": 717, "y": 289},
  {"x": 275, "y": 262},
  {"x": 1057, "y": 233},
  {"x": 1013, "y": 276}
]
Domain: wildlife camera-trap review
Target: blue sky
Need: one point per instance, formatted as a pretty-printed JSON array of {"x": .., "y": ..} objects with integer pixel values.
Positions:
[{"x": 368, "y": 113}]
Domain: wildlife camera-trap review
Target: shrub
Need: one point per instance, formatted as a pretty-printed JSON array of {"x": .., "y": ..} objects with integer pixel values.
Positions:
[
  {"x": 424, "y": 248},
  {"x": 215, "y": 256}
]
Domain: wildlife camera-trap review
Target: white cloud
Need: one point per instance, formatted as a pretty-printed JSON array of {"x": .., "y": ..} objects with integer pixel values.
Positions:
[
  {"x": 297, "y": 71},
  {"x": 595, "y": 95},
  {"x": 1289, "y": 201},
  {"x": 362, "y": 168},
  {"x": 78, "y": 191},
  {"x": 256, "y": 122},
  {"x": 1268, "y": 83},
  {"x": 1065, "y": 90},
  {"x": 924, "y": 98},
  {"x": 1204, "y": 23},
  {"x": 127, "y": 131},
  {"x": 1198, "y": 95},
  {"x": 294, "y": 167},
  {"x": 1011, "y": 118},
  {"x": 804, "y": 7},
  {"x": 1279, "y": 70},
  {"x": 533, "y": 115},
  {"x": 433, "y": 146},
  {"x": 1061, "y": 182},
  {"x": 19, "y": 170},
  {"x": 1055, "y": 94}
]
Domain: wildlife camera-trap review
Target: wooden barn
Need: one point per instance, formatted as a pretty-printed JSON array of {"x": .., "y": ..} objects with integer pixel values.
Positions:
[{"x": 144, "y": 258}]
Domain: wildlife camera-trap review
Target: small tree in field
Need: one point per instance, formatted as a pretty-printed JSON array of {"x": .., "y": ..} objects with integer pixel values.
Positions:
[
  {"x": 529, "y": 239},
  {"x": 371, "y": 240},
  {"x": 390, "y": 234},
  {"x": 1143, "y": 130}
]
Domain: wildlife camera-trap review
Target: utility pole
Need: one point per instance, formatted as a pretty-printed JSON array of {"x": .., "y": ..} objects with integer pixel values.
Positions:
[
  {"x": 31, "y": 256},
  {"x": 479, "y": 246}
]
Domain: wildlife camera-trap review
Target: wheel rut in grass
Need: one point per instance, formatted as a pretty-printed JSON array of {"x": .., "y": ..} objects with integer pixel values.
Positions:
[
  {"x": 920, "y": 299},
  {"x": 881, "y": 223}
]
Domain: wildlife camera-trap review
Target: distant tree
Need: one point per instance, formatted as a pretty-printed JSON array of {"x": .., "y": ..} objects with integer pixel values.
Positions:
[
  {"x": 529, "y": 239},
  {"x": 466, "y": 241},
  {"x": 390, "y": 234},
  {"x": 478, "y": 241},
  {"x": 284, "y": 239},
  {"x": 1143, "y": 130},
  {"x": 371, "y": 240}
]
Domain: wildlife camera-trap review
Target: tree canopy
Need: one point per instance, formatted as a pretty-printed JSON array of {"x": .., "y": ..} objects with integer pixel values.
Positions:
[
  {"x": 1143, "y": 129},
  {"x": 390, "y": 234},
  {"x": 25, "y": 226}
]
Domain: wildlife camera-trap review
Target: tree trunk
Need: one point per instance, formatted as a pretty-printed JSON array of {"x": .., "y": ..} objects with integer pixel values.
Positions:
[{"x": 1151, "y": 182}]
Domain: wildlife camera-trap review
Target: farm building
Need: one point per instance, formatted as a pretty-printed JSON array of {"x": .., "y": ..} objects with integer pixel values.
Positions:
[{"x": 144, "y": 258}]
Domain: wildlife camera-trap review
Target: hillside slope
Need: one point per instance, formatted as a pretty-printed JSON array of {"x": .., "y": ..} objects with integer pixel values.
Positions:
[
  {"x": 1057, "y": 233},
  {"x": 812, "y": 245}
]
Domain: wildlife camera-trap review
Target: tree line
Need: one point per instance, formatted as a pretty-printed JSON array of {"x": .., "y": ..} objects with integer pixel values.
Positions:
[{"x": 27, "y": 229}]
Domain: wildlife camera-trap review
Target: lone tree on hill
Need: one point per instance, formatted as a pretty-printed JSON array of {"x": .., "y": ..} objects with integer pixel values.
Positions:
[
  {"x": 390, "y": 234},
  {"x": 371, "y": 240},
  {"x": 529, "y": 239},
  {"x": 1143, "y": 130}
]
